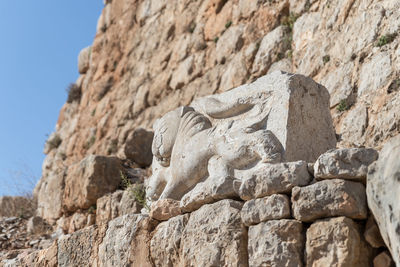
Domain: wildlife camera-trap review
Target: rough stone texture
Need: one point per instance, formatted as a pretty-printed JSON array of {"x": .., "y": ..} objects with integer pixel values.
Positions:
[
  {"x": 329, "y": 198},
  {"x": 138, "y": 147},
  {"x": 276, "y": 243},
  {"x": 372, "y": 234},
  {"x": 274, "y": 207},
  {"x": 383, "y": 191},
  {"x": 271, "y": 47},
  {"x": 89, "y": 180},
  {"x": 50, "y": 196},
  {"x": 127, "y": 242},
  {"x": 336, "y": 242},
  {"x": 76, "y": 249},
  {"x": 383, "y": 260},
  {"x": 347, "y": 163},
  {"x": 84, "y": 60},
  {"x": 210, "y": 191},
  {"x": 165, "y": 209},
  {"x": 165, "y": 245},
  {"x": 36, "y": 225},
  {"x": 115, "y": 204},
  {"x": 215, "y": 236},
  {"x": 223, "y": 133},
  {"x": 17, "y": 206},
  {"x": 78, "y": 221},
  {"x": 274, "y": 179}
]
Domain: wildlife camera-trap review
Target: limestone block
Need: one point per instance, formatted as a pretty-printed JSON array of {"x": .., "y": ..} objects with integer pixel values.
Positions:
[
  {"x": 165, "y": 209},
  {"x": 89, "y": 180},
  {"x": 37, "y": 226},
  {"x": 210, "y": 191},
  {"x": 84, "y": 59},
  {"x": 50, "y": 195},
  {"x": 271, "y": 45},
  {"x": 166, "y": 242},
  {"x": 329, "y": 198},
  {"x": 383, "y": 260},
  {"x": 76, "y": 249},
  {"x": 372, "y": 234},
  {"x": 229, "y": 43},
  {"x": 138, "y": 147},
  {"x": 383, "y": 193},
  {"x": 346, "y": 163},
  {"x": 127, "y": 242},
  {"x": 274, "y": 207},
  {"x": 354, "y": 125},
  {"x": 271, "y": 179},
  {"x": 336, "y": 242},
  {"x": 276, "y": 243},
  {"x": 215, "y": 236},
  {"x": 236, "y": 132},
  {"x": 77, "y": 222}
]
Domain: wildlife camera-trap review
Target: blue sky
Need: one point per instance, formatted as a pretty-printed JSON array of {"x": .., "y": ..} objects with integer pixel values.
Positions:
[{"x": 39, "y": 44}]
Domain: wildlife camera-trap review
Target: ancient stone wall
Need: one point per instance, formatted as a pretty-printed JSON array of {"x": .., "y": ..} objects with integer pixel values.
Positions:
[{"x": 296, "y": 208}]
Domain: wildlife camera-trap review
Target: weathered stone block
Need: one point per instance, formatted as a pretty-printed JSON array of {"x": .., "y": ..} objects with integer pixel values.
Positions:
[
  {"x": 165, "y": 245},
  {"x": 215, "y": 236},
  {"x": 89, "y": 180},
  {"x": 274, "y": 207},
  {"x": 84, "y": 59},
  {"x": 329, "y": 198},
  {"x": 276, "y": 243},
  {"x": 347, "y": 163},
  {"x": 270, "y": 179},
  {"x": 127, "y": 242},
  {"x": 76, "y": 249},
  {"x": 164, "y": 209},
  {"x": 383, "y": 192},
  {"x": 210, "y": 191},
  {"x": 138, "y": 147},
  {"x": 336, "y": 242}
]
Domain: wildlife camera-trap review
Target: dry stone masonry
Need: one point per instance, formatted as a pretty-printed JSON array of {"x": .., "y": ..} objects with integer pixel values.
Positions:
[{"x": 246, "y": 164}]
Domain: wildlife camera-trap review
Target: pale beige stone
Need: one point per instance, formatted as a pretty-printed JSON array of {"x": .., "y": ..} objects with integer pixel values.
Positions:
[
  {"x": 165, "y": 244},
  {"x": 346, "y": 163},
  {"x": 127, "y": 242},
  {"x": 277, "y": 178},
  {"x": 138, "y": 147},
  {"x": 89, "y": 180},
  {"x": 383, "y": 260},
  {"x": 215, "y": 236},
  {"x": 76, "y": 249},
  {"x": 274, "y": 207},
  {"x": 165, "y": 209},
  {"x": 276, "y": 243},
  {"x": 84, "y": 59},
  {"x": 383, "y": 192},
  {"x": 329, "y": 198},
  {"x": 210, "y": 191},
  {"x": 336, "y": 242}
]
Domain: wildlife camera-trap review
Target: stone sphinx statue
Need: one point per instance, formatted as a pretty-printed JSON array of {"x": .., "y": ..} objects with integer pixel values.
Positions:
[{"x": 279, "y": 117}]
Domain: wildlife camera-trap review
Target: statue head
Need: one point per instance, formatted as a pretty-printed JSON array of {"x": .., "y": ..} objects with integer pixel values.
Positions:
[{"x": 165, "y": 132}]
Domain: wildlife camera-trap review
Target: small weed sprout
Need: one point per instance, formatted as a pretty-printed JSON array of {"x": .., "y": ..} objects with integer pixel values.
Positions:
[
  {"x": 216, "y": 39},
  {"x": 74, "y": 93},
  {"x": 289, "y": 21},
  {"x": 92, "y": 209},
  {"x": 192, "y": 27},
  {"x": 136, "y": 191},
  {"x": 342, "y": 106},
  {"x": 90, "y": 142},
  {"x": 326, "y": 59},
  {"x": 228, "y": 24},
  {"x": 54, "y": 141},
  {"x": 386, "y": 39}
]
